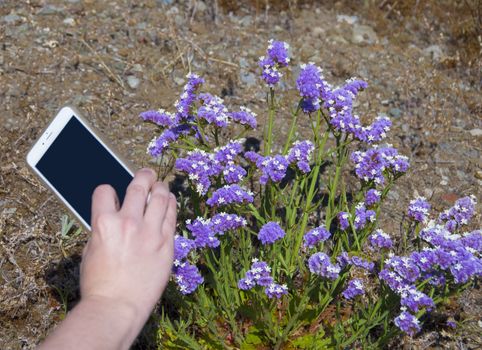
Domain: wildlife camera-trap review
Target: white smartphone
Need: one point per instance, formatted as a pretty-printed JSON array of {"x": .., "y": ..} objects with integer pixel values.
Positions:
[{"x": 72, "y": 160}]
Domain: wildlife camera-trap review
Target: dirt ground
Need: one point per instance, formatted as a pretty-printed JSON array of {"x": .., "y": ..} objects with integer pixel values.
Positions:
[{"x": 114, "y": 59}]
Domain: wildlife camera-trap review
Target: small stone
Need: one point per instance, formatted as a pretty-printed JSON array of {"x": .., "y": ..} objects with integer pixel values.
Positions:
[
  {"x": 11, "y": 18},
  {"x": 393, "y": 195},
  {"x": 318, "y": 31},
  {"x": 243, "y": 62},
  {"x": 395, "y": 112},
  {"x": 476, "y": 132},
  {"x": 363, "y": 34},
  {"x": 201, "y": 6},
  {"x": 478, "y": 174},
  {"x": 347, "y": 19},
  {"x": 246, "y": 21},
  {"x": 49, "y": 10},
  {"x": 247, "y": 78},
  {"x": 179, "y": 81},
  {"x": 428, "y": 193},
  {"x": 433, "y": 51},
  {"x": 69, "y": 21},
  {"x": 133, "y": 81},
  {"x": 165, "y": 2}
]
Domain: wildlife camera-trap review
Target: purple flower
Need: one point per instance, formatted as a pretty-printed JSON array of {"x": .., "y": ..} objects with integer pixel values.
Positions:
[
  {"x": 223, "y": 222},
  {"x": 300, "y": 154},
  {"x": 227, "y": 153},
  {"x": 213, "y": 110},
  {"x": 159, "y": 144},
  {"x": 278, "y": 52},
  {"x": 233, "y": 173},
  {"x": 182, "y": 247},
  {"x": 415, "y": 300},
  {"x": 473, "y": 241},
  {"x": 355, "y": 288},
  {"x": 399, "y": 272},
  {"x": 314, "y": 236},
  {"x": 425, "y": 260},
  {"x": 203, "y": 233},
  {"x": 230, "y": 194},
  {"x": 359, "y": 262},
  {"x": 183, "y": 105},
  {"x": 187, "y": 277},
  {"x": 270, "y": 233},
  {"x": 380, "y": 239},
  {"x": 362, "y": 216},
  {"x": 418, "y": 209},
  {"x": 272, "y": 168},
  {"x": 343, "y": 219},
  {"x": 259, "y": 274},
  {"x": 407, "y": 323},
  {"x": 319, "y": 263},
  {"x": 276, "y": 57},
  {"x": 312, "y": 87},
  {"x": 275, "y": 290},
  {"x": 160, "y": 117},
  {"x": 199, "y": 166},
  {"x": 370, "y": 165},
  {"x": 376, "y": 131},
  {"x": 451, "y": 324},
  {"x": 372, "y": 196},
  {"x": 245, "y": 117},
  {"x": 462, "y": 212},
  {"x": 343, "y": 259}
]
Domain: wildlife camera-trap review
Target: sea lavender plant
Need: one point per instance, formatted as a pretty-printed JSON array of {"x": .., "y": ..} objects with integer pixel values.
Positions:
[{"x": 318, "y": 249}]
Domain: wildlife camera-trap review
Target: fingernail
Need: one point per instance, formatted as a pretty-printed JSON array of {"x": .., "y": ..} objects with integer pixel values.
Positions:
[{"x": 148, "y": 170}]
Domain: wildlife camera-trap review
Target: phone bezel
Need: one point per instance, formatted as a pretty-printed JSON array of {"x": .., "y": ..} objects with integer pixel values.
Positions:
[{"x": 48, "y": 136}]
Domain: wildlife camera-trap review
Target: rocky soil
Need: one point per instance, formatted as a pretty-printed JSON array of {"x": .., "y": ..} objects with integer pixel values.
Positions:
[{"x": 114, "y": 59}]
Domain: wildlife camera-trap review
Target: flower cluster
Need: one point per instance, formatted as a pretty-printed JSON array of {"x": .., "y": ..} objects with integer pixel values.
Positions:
[
  {"x": 182, "y": 247},
  {"x": 200, "y": 167},
  {"x": 407, "y": 323},
  {"x": 320, "y": 264},
  {"x": 460, "y": 214},
  {"x": 355, "y": 287},
  {"x": 372, "y": 197},
  {"x": 380, "y": 239},
  {"x": 272, "y": 168},
  {"x": 418, "y": 209},
  {"x": 363, "y": 216},
  {"x": 362, "y": 263},
  {"x": 270, "y": 233},
  {"x": 245, "y": 117},
  {"x": 187, "y": 277},
  {"x": 260, "y": 274},
  {"x": 205, "y": 231},
  {"x": 371, "y": 164},
  {"x": 300, "y": 154},
  {"x": 213, "y": 110},
  {"x": 314, "y": 236},
  {"x": 176, "y": 124},
  {"x": 277, "y": 56},
  {"x": 312, "y": 87},
  {"x": 230, "y": 194}
]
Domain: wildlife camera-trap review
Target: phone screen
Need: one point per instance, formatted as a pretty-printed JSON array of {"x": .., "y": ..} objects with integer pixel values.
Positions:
[{"x": 76, "y": 163}]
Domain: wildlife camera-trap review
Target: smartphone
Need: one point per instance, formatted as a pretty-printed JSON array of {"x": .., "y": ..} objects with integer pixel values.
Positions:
[{"x": 72, "y": 160}]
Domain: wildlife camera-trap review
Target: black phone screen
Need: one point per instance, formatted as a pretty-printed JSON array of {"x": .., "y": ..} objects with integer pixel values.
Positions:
[{"x": 76, "y": 163}]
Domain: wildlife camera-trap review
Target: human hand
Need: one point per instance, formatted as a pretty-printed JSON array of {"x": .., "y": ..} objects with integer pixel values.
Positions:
[{"x": 128, "y": 259}]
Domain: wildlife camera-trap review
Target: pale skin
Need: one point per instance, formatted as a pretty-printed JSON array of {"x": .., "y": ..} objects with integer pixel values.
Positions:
[{"x": 125, "y": 266}]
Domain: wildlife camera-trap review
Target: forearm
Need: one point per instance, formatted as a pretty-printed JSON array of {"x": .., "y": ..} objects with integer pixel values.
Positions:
[{"x": 97, "y": 323}]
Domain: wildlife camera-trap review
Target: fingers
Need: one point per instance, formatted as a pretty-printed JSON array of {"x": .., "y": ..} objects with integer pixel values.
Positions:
[
  {"x": 137, "y": 192},
  {"x": 157, "y": 206},
  {"x": 169, "y": 224},
  {"x": 104, "y": 200}
]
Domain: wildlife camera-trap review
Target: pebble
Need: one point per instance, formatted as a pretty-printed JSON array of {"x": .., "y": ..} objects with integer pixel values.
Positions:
[
  {"x": 363, "y": 34},
  {"x": 433, "y": 51},
  {"x": 69, "y": 21},
  {"x": 478, "y": 174},
  {"x": 347, "y": 19},
  {"x": 179, "y": 81},
  {"x": 247, "y": 78},
  {"x": 475, "y": 132},
  {"x": 11, "y": 18},
  {"x": 133, "y": 81},
  {"x": 395, "y": 112},
  {"x": 49, "y": 10},
  {"x": 201, "y": 6},
  {"x": 393, "y": 195}
]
